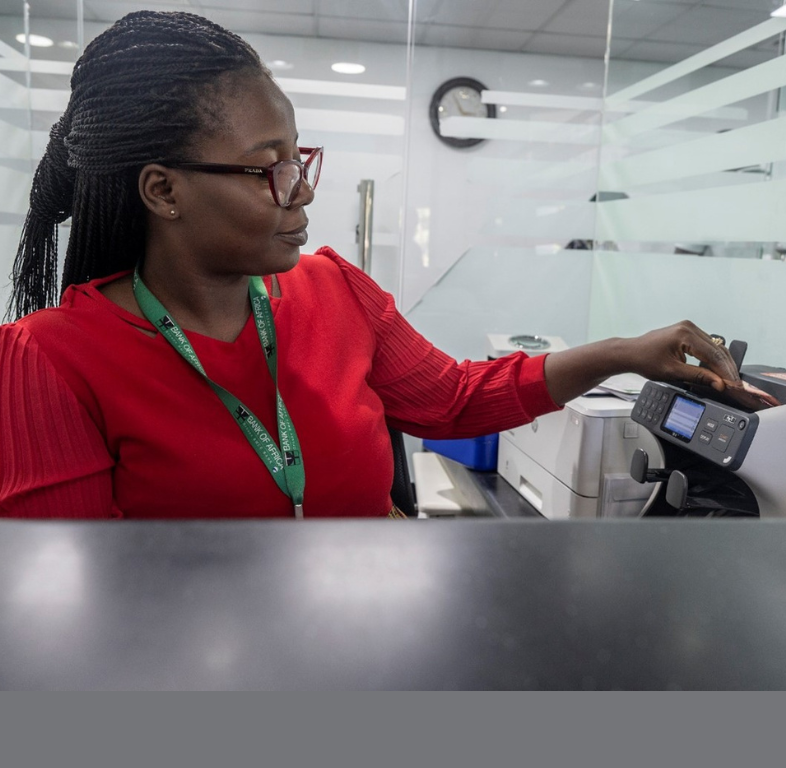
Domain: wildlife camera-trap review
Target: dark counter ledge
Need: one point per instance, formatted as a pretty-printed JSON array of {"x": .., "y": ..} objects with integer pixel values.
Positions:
[{"x": 393, "y": 604}]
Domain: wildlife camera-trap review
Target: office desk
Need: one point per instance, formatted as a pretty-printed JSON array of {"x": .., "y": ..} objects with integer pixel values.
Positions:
[{"x": 393, "y": 604}]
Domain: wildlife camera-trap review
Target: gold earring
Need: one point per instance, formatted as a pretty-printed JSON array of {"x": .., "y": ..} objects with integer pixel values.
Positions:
[{"x": 173, "y": 212}]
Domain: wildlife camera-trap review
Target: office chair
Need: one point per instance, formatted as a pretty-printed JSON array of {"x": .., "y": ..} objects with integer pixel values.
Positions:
[{"x": 402, "y": 492}]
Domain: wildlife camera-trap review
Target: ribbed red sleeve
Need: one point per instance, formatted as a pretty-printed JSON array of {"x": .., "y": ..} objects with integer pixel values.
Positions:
[
  {"x": 53, "y": 460},
  {"x": 426, "y": 393}
]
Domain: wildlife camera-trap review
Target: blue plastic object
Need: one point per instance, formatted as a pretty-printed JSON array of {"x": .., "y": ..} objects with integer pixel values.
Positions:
[{"x": 472, "y": 452}]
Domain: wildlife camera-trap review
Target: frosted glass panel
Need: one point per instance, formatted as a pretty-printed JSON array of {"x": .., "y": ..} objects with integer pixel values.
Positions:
[
  {"x": 730, "y": 90},
  {"x": 506, "y": 291},
  {"x": 752, "y": 145},
  {"x": 739, "y": 299},
  {"x": 745, "y": 212},
  {"x": 734, "y": 44},
  {"x": 697, "y": 148},
  {"x": 519, "y": 130},
  {"x": 524, "y": 189}
]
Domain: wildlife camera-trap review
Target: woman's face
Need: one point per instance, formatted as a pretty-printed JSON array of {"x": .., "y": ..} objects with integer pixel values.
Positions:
[{"x": 230, "y": 222}]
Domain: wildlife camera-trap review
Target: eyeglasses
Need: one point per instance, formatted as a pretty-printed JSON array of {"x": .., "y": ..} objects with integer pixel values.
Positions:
[{"x": 284, "y": 177}]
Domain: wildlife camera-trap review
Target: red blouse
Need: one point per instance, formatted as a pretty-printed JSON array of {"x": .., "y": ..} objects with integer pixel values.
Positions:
[{"x": 100, "y": 420}]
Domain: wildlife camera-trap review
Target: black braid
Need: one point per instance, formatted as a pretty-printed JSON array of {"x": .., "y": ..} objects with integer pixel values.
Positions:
[{"x": 139, "y": 94}]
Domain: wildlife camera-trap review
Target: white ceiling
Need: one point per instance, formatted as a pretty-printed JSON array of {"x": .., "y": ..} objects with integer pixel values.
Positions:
[{"x": 645, "y": 30}]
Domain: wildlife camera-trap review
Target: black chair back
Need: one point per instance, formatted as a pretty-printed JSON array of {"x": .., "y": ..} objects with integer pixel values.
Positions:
[{"x": 402, "y": 493}]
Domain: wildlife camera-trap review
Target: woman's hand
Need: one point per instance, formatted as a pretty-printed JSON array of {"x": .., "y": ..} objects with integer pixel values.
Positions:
[{"x": 659, "y": 355}]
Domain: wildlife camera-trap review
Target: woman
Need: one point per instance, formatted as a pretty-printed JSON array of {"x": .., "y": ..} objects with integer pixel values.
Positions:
[{"x": 170, "y": 384}]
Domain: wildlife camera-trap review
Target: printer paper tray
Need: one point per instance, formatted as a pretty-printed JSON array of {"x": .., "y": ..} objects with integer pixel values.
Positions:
[{"x": 550, "y": 496}]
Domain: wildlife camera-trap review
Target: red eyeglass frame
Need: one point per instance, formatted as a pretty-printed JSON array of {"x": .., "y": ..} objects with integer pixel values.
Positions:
[{"x": 267, "y": 171}]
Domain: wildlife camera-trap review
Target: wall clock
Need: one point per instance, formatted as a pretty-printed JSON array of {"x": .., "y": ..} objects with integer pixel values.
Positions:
[{"x": 460, "y": 97}]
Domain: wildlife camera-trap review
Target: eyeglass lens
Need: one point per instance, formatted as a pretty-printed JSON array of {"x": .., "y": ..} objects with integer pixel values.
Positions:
[
  {"x": 287, "y": 177},
  {"x": 313, "y": 169},
  {"x": 286, "y": 182}
]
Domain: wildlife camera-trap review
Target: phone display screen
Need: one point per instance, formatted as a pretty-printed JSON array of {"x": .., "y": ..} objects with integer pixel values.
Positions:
[{"x": 683, "y": 418}]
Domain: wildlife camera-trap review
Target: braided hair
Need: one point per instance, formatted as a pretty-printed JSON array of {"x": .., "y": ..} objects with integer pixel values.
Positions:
[{"x": 143, "y": 91}]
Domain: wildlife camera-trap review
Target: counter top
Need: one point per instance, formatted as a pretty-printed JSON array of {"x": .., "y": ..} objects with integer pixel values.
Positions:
[{"x": 475, "y": 603}]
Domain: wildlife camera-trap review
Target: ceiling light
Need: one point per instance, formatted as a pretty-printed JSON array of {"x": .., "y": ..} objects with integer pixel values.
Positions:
[
  {"x": 280, "y": 64},
  {"x": 70, "y": 44},
  {"x": 347, "y": 68},
  {"x": 503, "y": 109},
  {"x": 588, "y": 85},
  {"x": 538, "y": 83},
  {"x": 779, "y": 11},
  {"x": 38, "y": 41}
]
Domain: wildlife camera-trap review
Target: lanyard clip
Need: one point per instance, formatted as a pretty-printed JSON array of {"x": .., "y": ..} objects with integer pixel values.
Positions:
[{"x": 298, "y": 511}]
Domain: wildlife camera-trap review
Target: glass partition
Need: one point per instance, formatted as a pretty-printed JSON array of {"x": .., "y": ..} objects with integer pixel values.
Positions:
[
  {"x": 501, "y": 172},
  {"x": 358, "y": 115},
  {"x": 693, "y": 146},
  {"x": 37, "y": 54},
  {"x": 670, "y": 177},
  {"x": 558, "y": 194},
  {"x": 696, "y": 144}
]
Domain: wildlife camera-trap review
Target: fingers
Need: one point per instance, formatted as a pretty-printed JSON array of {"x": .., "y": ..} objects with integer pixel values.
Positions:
[
  {"x": 721, "y": 373},
  {"x": 692, "y": 374},
  {"x": 750, "y": 396},
  {"x": 715, "y": 355},
  {"x": 661, "y": 355}
]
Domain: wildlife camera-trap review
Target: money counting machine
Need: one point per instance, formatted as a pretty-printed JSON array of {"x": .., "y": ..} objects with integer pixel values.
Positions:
[{"x": 718, "y": 459}]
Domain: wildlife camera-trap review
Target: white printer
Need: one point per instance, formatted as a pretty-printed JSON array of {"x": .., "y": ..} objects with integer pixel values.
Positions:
[{"x": 576, "y": 462}]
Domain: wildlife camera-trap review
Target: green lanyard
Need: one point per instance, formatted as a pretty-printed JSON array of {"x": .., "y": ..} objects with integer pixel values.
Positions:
[{"x": 287, "y": 470}]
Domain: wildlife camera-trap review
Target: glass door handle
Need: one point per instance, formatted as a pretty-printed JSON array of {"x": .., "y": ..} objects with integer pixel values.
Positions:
[{"x": 363, "y": 230}]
